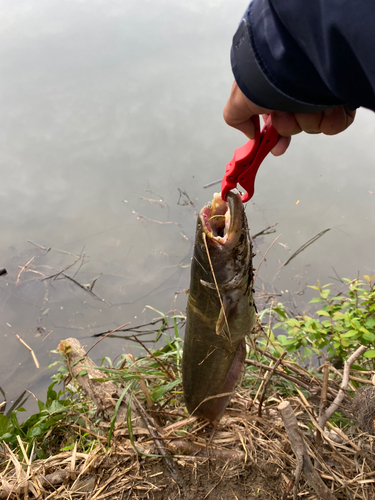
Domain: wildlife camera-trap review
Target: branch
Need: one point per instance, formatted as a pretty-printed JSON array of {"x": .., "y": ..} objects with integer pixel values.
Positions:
[
  {"x": 303, "y": 460},
  {"x": 343, "y": 387}
]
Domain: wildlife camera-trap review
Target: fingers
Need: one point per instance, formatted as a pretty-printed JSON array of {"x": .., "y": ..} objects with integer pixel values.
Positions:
[
  {"x": 329, "y": 122},
  {"x": 336, "y": 120},
  {"x": 281, "y": 146},
  {"x": 239, "y": 110}
]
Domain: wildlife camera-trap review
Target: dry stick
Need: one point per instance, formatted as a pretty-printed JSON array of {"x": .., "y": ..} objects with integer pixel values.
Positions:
[
  {"x": 264, "y": 231},
  {"x": 322, "y": 405},
  {"x": 158, "y": 440},
  {"x": 87, "y": 289},
  {"x": 212, "y": 183},
  {"x": 55, "y": 276},
  {"x": 104, "y": 336},
  {"x": 23, "y": 268},
  {"x": 299, "y": 371},
  {"x": 169, "y": 374},
  {"x": 295, "y": 380},
  {"x": 264, "y": 256},
  {"x": 31, "y": 351},
  {"x": 269, "y": 375},
  {"x": 343, "y": 387},
  {"x": 303, "y": 460},
  {"x": 139, "y": 216},
  {"x": 216, "y": 285},
  {"x": 305, "y": 245},
  {"x": 150, "y": 323},
  {"x": 55, "y": 249}
]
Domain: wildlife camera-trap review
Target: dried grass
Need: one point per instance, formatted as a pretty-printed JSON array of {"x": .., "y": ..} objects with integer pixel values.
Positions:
[{"x": 245, "y": 455}]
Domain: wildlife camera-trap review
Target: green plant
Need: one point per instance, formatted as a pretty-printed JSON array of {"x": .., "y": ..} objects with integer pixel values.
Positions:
[
  {"x": 61, "y": 409},
  {"x": 343, "y": 323}
]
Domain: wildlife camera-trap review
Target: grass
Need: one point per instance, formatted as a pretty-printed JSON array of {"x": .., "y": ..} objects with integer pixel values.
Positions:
[{"x": 68, "y": 423}]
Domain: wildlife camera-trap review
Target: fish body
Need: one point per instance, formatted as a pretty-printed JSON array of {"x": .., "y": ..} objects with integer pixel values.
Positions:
[{"x": 220, "y": 309}]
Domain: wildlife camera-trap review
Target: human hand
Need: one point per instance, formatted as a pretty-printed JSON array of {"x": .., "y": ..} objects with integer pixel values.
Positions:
[{"x": 239, "y": 110}]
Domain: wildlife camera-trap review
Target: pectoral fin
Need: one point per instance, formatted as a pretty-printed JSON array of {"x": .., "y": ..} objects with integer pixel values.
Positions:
[{"x": 228, "y": 309}]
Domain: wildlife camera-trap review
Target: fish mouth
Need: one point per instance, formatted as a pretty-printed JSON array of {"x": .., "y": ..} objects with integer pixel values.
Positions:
[{"x": 223, "y": 221}]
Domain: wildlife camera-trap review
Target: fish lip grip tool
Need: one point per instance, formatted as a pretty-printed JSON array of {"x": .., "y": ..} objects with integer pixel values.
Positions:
[{"x": 247, "y": 159}]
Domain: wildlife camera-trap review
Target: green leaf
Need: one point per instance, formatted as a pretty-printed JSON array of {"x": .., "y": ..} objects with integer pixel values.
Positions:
[
  {"x": 309, "y": 330},
  {"x": 338, "y": 315},
  {"x": 350, "y": 333},
  {"x": 6, "y": 428},
  {"x": 307, "y": 352},
  {"x": 315, "y": 300},
  {"x": 160, "y": 391},
  {"x": 280, "y": 312},
  {"x": 323, "y": 313},
  {"x": 369, "y": 336},
  {"x": 287, "y": 342},
  {"x": 116, "y": 410},
  {"x": 130, "y": 429},
  {"x": 369, "y": 354}
]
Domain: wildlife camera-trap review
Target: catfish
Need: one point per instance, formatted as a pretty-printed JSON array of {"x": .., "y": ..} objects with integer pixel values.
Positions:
[{"x": 220, "y": 308}]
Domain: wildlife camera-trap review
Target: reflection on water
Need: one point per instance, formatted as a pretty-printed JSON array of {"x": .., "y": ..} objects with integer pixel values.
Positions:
[{"x": 106, "y": 106}]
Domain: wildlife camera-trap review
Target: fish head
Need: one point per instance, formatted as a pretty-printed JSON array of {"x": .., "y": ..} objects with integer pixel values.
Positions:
[{"x": 222, "y": 231}]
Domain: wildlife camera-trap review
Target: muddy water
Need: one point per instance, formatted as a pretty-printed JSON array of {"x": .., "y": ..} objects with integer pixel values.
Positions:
[{"x": 108, "y": 109}]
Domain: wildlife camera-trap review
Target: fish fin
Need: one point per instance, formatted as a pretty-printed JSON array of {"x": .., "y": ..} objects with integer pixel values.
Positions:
[
  {"x": 208, "y": 285},
  {"x": 225, "y": 287},
  {"x": 225, "y": 313}
]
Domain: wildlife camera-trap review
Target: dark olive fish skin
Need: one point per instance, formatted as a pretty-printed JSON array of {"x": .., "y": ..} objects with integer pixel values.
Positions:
[{"x": 214, "y": 354}]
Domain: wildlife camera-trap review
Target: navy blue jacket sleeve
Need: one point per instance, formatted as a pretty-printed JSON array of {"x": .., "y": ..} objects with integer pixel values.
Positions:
[{"x": 306, "y": 55}]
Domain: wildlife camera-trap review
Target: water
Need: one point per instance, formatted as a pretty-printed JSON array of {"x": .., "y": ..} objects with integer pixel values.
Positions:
[{"x": 106, "y": 103}]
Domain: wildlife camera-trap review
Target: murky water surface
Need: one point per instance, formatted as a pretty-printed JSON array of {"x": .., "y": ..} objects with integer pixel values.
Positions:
[{"x": 109, "y": 110}]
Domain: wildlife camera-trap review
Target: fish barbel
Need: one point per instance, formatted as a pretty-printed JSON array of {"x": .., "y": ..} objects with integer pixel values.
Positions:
[{"x": 220, "y": 309}]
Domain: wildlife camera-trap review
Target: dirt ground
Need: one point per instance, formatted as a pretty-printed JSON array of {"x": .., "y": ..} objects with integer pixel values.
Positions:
[{"x": 216, "y": 480}]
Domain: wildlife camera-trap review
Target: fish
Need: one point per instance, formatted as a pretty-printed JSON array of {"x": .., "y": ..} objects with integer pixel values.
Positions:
[{"x": 220, "y": 309}]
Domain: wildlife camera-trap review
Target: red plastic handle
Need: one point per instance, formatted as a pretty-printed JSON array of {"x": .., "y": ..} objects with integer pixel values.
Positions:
[{"x": 242, "y": 169}]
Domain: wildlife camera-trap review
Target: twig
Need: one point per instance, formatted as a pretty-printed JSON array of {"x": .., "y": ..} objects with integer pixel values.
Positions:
[
  {"x": 23, "y": 268},
  {"x": 264, "y": 256},
  {"x": 133, "y": 328},
  {"x": 168, "y": 373},
  {"x": 106, "y": 335},
  {"x": 36, "y": 362},
  {"x": 139, "y": 216},
  {"x": 295, "y": 380},
  {"x": 305, "y": 245},
  {"x": 161, "y": 203},
  {"x": 343, "y": 387},
  {"x": 264, "y": 231},
  {"x": 55, "y": 276},
  {"x": 322, "y": 404},
  {"x": 303, "y": 460},
  {"x": 158, "y": 440},
  {"x": 266, "y": 382},
  {"x": 212, "y": 183},
  {"x": 55, "y": 249},
  {"x": 86, "y": 288}
]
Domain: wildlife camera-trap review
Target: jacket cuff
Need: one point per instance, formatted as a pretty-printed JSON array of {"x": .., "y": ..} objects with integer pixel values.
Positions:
[{"x": 254, "y": 83}]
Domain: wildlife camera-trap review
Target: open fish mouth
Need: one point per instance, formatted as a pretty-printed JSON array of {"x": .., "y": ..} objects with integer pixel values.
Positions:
[{"x": 219, "y": 218}]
